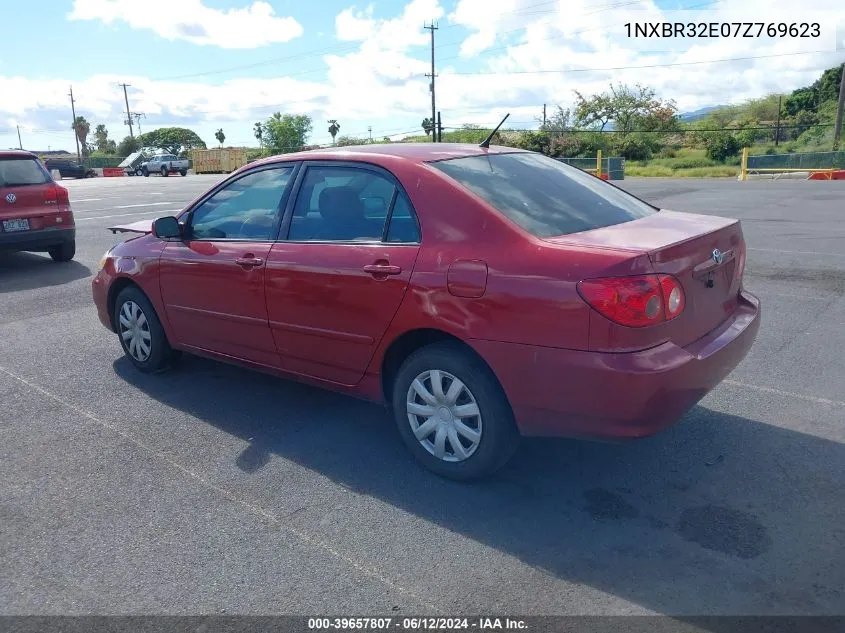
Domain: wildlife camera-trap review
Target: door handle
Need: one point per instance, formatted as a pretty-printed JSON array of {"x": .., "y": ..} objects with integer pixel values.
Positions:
[
  {"x": 249, "y": 262},
  {"x": 382, "y": 269}
]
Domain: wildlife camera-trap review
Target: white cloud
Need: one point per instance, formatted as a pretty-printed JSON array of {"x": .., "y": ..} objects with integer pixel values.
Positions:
[
  {"x": 352, "y": 26},
  {"x": 382, "y": 82},
  {"x": 190, "y": 20}
]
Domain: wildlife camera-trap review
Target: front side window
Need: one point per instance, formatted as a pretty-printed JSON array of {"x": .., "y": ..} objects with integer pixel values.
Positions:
[
  {"x": 542, "y": 195},
  {"x": 246, "y": 209},
  {"x": 19, "y": 172},
  {"x": 341, "y": 204}
]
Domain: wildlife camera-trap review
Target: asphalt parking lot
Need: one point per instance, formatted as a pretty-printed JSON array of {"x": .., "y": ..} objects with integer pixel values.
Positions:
[{"x": 211, "y": 489}]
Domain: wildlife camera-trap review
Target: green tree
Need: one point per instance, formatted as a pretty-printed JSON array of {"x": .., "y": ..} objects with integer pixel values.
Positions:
[
  {"x": 721, "y": 145},
  {"x": 101, "y": 136},
  {"x": 258, "y": 132},
  {"x": 220, "y": 136},
  {"x": 346, "y": 141},
  {"x": 287, "y": 133},
  {"x": 427, "y": 126},
  {"x": 174, "y": 140},
  {"x": 81, "y": 127},
  {"x": 127, "y": 146},
  {"x": 627, "y": 106},
  {"x": 334, "y": 128}
]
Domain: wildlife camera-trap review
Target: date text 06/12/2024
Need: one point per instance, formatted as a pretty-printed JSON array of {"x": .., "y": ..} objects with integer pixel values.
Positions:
[{"x": 416, "y": 624}]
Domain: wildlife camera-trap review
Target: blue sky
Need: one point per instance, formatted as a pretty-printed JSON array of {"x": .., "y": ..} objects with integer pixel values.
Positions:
[{"x": 196, "y": 64}]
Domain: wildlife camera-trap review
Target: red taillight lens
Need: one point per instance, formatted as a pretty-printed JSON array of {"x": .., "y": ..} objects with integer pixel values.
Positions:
[
  {"x": 635, "y": 301},
  {"x": 51, "y": 195},
  {"x": 62, "y": 195}
]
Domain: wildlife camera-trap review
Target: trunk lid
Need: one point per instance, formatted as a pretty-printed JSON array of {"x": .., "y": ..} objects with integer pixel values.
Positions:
[{"x": 705, "y": 253}]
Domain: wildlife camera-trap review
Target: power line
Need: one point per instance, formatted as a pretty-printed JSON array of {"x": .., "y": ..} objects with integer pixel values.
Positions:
[{"x": 592, "y": 70}]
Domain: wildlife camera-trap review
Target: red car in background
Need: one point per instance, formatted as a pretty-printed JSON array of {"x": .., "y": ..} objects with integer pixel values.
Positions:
[
  {"x": 482, "y": 293},
  {"x": 35, "y": 213}
]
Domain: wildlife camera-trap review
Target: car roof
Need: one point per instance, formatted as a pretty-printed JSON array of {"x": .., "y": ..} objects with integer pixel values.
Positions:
[
  {"x": 412, "y": 152},
  {"x": 16, "y": 153}
]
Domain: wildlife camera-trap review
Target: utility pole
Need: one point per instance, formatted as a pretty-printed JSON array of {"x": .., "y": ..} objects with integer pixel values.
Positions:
[
  {"x": 544, "y": 116},
  {"x": 73, "y": 125},
  {"x": 432, "y": 27},
  {"x": 777, "y": 125},
  {"x": 837, "y": 130},
  {"x": 20, "y": 143},
  {"x": 439, "y": 128},
  {"x": 128, "y": 115},
  {"x": 138, "y": 116},
  {"x": 370, "y": 130}
]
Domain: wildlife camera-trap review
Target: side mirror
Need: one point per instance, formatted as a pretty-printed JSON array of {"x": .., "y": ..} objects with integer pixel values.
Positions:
[{"x": 167, "y": 227}]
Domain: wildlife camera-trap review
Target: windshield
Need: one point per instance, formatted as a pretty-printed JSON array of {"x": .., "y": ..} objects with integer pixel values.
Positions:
[
  {"x": 543, "y": 195},
  {"x": 18, "y": 172}
]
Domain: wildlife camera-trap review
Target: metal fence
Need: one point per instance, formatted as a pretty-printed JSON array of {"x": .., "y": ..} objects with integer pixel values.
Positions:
[
  {"x": 798, "y": 161},
  {"x": 614, "y": 167},
  {"x": 93, "y": 162}
]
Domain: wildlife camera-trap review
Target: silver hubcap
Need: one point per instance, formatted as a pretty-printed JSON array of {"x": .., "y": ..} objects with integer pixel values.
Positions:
[
  {"x": 444, "y": 416},
  {"x": 135, "y": 331}
]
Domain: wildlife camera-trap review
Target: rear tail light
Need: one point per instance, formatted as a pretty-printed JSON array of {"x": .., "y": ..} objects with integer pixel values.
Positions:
[
  {"x": 51, "y": 195},
  {"x": 740, "y": 263},
  {"x": 635, "y": 301}
]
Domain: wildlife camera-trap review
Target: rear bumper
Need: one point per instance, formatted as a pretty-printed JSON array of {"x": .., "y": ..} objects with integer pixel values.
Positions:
[
  {"x": 568, "y": 393},
  {"x": 38, "y": 240}
]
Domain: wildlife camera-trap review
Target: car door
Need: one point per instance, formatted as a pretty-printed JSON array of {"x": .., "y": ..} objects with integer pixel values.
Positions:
[
  {"x": 338, "y": 274},
  {"x": 212, "y": 281}
]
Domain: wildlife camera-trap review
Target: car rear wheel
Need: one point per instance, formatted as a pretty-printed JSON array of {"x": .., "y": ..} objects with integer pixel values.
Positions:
[
  {"x": 140, "y": 332},
  {"x": 452, "y": 413},
  {"x": 145, "y": 171},
  {"x": 164, "y": 171},
  {"x": 63, "y": 252}
]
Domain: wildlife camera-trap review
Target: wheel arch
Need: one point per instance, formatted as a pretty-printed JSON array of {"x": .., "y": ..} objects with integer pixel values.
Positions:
[
  {"x": 409, "y": 342},
  {"x": 117, "y": 286}
]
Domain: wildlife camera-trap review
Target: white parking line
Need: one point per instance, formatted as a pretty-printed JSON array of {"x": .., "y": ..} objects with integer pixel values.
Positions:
[
  {"x": 123, "y": 215},
  {"x": 250, "y": 505},
  {"x": 786, "y": 394},
  {"x": 146, "y": 204},
  {"x": 87, "y": 200},
  {"x": 779, "y": 250}
]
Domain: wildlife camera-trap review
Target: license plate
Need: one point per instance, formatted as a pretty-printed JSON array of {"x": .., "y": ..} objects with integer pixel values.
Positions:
[{"x": 15, "y": 225}]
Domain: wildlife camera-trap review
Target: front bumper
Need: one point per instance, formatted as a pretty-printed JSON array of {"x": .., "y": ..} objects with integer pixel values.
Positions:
[
  {"x": 36, "y": 240},
  {"x": 569, "y": 393}
]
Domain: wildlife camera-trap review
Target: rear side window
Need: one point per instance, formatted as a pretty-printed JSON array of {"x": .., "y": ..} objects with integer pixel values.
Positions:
[
  {"x": 544, "y": 196},
  {"x": 19, "y": 172}
]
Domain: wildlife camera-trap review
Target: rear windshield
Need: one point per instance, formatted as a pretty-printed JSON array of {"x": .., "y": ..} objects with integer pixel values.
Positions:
[
  {"x": 543, "y": 195},
  {"x": 18, "y": 172}
]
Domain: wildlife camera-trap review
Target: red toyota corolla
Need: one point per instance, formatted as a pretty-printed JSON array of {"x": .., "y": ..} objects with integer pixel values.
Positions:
[{"x": 483, "y": 294}]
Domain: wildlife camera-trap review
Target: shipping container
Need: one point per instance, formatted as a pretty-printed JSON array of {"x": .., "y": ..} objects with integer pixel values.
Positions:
[{"x": 217, "y": 161}]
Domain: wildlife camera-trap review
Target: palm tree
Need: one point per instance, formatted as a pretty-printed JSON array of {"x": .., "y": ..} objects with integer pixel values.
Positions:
[
  {"x": 220, "y": 136},
  {"x": 258, "y": 130},
  {"x": 334, "y": 128},
  {"x": 82, "y": 128}
]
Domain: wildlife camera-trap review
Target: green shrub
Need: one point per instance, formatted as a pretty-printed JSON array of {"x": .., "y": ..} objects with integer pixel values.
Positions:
[{"x": 721, "y": 145}]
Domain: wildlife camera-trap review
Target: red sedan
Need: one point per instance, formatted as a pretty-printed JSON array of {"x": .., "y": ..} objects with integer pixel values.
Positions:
[{"x": 482, "y": 293}]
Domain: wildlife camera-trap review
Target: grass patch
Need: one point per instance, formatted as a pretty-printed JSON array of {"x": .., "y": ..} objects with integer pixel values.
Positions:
[{"x": 661, "y": 171}]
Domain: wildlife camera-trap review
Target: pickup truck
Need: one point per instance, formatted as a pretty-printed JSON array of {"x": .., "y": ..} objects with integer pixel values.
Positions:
[{"x": 165, "y": 164}]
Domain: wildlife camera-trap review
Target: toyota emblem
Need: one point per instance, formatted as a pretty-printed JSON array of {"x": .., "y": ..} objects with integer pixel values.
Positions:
[
  {"x": 11, "y": 198},
  {"x": 718, "y": 256}
]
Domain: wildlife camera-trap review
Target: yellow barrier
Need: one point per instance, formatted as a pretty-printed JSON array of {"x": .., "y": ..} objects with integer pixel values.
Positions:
[{"x": 744, "y": 171}]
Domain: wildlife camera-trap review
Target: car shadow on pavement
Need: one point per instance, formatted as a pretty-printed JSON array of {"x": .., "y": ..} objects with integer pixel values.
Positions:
[
  {"x": 26, "y": 271},
  {"x": 719, "y": 514}
]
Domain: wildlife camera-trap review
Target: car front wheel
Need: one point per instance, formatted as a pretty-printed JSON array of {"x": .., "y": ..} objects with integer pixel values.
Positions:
[
  {"x": 164, "y": 172},
  {"x": 145, "y": 171},
  {"x": 140, "y": 332},
  {"x": 452, "y": 413}
]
